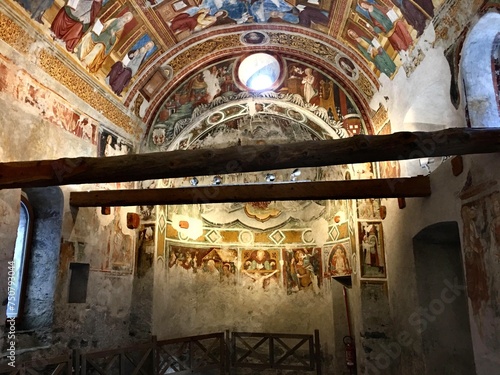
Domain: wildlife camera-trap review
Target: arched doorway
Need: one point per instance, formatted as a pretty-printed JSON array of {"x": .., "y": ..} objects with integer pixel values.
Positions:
[{"x": 442, "y": 318}]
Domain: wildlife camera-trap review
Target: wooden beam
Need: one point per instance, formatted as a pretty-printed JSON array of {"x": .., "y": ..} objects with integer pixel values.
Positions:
[
  {"x": 351, "y": 189},
  {"x": 185, "y": 163}
]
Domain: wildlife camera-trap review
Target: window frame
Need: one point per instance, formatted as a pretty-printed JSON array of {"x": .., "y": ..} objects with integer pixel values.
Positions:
[{"x": 21, "y": 285}]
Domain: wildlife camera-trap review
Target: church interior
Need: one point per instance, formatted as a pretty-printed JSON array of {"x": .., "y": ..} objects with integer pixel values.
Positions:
[{"x": 177, "y": 168}]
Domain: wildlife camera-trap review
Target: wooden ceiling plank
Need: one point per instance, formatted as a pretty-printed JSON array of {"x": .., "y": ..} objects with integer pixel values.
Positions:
[
  {"x": 350, "y": 189},
  {"x": 236, "y": 159}
]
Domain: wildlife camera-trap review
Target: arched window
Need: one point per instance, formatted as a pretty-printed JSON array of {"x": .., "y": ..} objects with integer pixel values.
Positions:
[
  {"x": 480, "y": 81},
  {"x": 19, "y": 266},
  {"x": 495, "y": 67}
]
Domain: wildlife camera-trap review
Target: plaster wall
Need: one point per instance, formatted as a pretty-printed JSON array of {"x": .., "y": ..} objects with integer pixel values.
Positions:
[
  {"x": 477, "y": 183},
  {"x": 253, "y": 295},
  {"x": 42, "y": 120}
]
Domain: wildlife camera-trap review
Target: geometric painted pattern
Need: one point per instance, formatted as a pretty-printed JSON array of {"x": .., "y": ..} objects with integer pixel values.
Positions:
[
  {"x": 162, "y": 222},
  {"x": 213, "y": 236},
  {"x": 277, "y": 237},
  {"x": 334, "y": 233}
]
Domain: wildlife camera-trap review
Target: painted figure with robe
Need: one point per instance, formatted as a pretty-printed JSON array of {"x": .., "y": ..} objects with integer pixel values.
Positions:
[
  {"x": 372, "y": 249},
  {"x": 377, "y": 55},
  {"x": 70, "y": 24},
  {"x": 416, "y": 12},
  {"x": 95, "y": 48},
  {"x": 121, "y": 74},
  {"x": 379, "y": 21}
]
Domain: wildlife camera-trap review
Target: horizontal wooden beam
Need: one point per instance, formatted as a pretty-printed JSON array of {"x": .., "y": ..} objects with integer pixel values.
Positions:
[
  {"x": 351, "y": 189},
  {"x": 236, "y": 159}
]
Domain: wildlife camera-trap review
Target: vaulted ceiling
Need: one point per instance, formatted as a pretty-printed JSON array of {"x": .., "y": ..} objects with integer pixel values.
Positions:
[{"x": 179, "y": 65}]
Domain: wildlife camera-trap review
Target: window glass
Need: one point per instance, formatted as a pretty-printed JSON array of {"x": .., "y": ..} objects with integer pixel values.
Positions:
[{"x": 19, "y": 264}]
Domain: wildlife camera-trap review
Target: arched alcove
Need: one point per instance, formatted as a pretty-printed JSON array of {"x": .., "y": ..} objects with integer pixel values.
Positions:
[
  {"x": 47, "y": 206},
  {"x": 442, "y": 314},
  {"x": 477, "y": 72}
]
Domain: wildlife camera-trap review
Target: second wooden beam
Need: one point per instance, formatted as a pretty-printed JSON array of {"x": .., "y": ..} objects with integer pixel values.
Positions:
[{"x": 351, "y": 189}]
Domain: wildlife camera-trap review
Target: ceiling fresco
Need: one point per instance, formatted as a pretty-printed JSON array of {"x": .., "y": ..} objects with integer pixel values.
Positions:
[
  {"x": 148, "y": 54},
  {"x": 305, "y": 105}
]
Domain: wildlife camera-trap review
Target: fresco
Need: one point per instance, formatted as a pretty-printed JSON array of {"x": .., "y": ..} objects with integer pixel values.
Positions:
[
  {"x": 111, "y": 145},
  {"x": 122, "y": 71},
  {"x": 219, "y": 262},
  {"x": 370, "y": 48},
  {"x": 47, "y": 104},
  {"x": 147, "y": 213},
  {"x": 389, "y": 169},
  {"x": 481, "y": 242},
  {"x": 113, "y": 39},
  {"x": 145, "y": 249},
  {"x": 185, "y": 17},
  {"x": 338, "y": 260},
  {"x": 303, "y": 269},
  {"x": 262, "y": 215},
  {"x": 106, "y": 37},
  {"x": 215, "y": 85},
  {"x": 258, "y": 268},
  {"x": 384, "y": 32},
  {"x": 261, "y": 266},
  {"x": 372, "y": 251},
  {"x": 118, "y": 247},
  {"x": 370, "y": 209}
]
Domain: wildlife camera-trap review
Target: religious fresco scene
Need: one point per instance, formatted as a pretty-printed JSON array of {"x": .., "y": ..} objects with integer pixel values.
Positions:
[
  {"x": 111, "y": 144},
  {"x": 310, "y": 91},
  {"x": 106, "y": 38},
  {"x": 339, "y": 260},
  {"x": 114, "y": 40},
  {"x": 46, "y": 103},
  {"x": 118, "y": 78},
  {"x": 372, "y": 251}
]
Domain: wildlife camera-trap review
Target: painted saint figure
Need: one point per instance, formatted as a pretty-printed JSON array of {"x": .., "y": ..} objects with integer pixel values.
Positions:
[
  {"x": 416, "y": 12},
  {"x": 36, "y": 7},
  {"x": 264, "y": 10},
  {"x": 193, "y": 22},
  {"x": 70, "y": 24},
  {"x": 308, "y": 82},
  {"x": 309, "y": 15},
  {"x": 377, "y": 55},
  {"x": 377, "y": 18},
  {"x": 121, "y": 74},
  {"x": 339, "y": 262},
  {"x": 475, "y": 249},
  {"x": 94, "y": 48},
  {"x": 371, "y": 248}
]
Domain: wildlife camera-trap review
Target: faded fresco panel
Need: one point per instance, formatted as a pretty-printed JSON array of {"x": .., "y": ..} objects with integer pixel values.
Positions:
[
  {"x": 48, "y": 105},
  {"x": 481, "y": 242},
  {"x": 337, "y": 259},
  {"x": 216, "y": 261},
  {"x": 370, "y": 209},
  {"x": 302, "y": 269},
  {"x": 145, "y": 249},
  {"x": 371, "y": 249},
  {"x": 262, "y": 266},
  {"x": 119, "y": 247}
]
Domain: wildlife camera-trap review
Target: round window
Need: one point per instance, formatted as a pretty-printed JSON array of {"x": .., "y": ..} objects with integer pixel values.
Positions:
[{"x": 259, "y": 71}]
